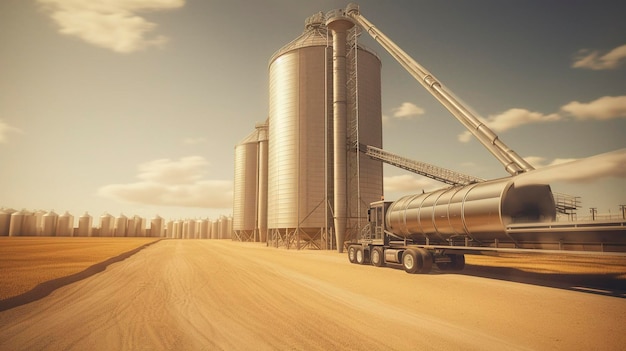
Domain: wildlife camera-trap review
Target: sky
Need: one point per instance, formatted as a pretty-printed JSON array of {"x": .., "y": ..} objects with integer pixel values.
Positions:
[{"x": 135, "y": 106}]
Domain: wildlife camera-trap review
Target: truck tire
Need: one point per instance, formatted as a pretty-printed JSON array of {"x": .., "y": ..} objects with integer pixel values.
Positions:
[
  {"x": 359, "y": 255},
  {"x": 411, "y": 261},
  {"x": 427, "y": 261},
  {"x": 457, "y": 263},
  {"x": 377, "y": 257},
  {"x": 352, "y": 254}
]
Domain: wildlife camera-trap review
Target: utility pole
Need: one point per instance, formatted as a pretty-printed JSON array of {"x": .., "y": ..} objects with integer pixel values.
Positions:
[
  {"x": 623, "y": 209},
  {"x": 593, "y": 211}
]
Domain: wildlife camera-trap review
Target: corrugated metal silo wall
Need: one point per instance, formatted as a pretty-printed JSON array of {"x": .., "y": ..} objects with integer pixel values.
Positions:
[
  {"x": 245, "y": 187},
  {"x": 370, "y": 177},
  {"x": 297, "y": 123}
]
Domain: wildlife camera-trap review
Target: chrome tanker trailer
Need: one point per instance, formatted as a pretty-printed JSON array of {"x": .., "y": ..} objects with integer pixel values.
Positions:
[
  {"x": 440, "y": 227},
  {"x": 471, "y": 216}
]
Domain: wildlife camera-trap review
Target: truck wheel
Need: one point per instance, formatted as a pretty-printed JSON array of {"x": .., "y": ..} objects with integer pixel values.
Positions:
[
  {"x": 360, "y": 255},
  {"x": 411, "y": 261},
  {"x": 377, "y": 257},
  {"x": 427, "y": 261},
  {"x": 352, "y": 254},
  {"x": 458, "y": 262}
]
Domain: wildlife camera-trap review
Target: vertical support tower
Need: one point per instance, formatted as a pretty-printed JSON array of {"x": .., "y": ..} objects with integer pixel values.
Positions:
[{"x": 339, "y": 23}]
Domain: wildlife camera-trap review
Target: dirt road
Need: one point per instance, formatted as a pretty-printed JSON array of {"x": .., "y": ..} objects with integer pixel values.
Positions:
[{"x": 212, "y": 295}]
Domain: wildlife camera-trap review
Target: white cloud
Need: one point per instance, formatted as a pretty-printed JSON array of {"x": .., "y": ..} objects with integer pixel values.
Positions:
[
  {"x": 111, "y": 24},
  {"x": 408, "y": 183},
  {"x": 5, "y": 129},
  {"x": 407, "y": 111},
  {"x": 510, "y": 119},
  {"x": 174, "y": 183},
  {"x": 590, "y": 169},
  {"x": 606, "y": 107},
  {"x": 540, "y": 162},
  {"x": 596, "y": 61}
]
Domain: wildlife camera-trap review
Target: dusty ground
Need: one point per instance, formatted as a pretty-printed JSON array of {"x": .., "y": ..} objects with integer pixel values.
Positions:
[
  {"x": 26, "y": 262},
  {"x": 211, "y": 295}
]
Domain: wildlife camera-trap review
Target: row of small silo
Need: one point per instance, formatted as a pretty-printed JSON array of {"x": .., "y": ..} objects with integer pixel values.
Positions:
[
  {"x": 41, "y": 223},
  {"x": 199, "y": 229},
  {"x": 304, "y": 177}
]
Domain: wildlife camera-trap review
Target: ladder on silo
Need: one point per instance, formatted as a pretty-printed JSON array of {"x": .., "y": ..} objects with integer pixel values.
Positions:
[{"x": 425, "y": 169}]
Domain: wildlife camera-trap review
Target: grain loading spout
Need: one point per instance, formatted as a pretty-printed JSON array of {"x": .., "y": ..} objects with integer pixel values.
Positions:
[{"x": 513, "y": 163}]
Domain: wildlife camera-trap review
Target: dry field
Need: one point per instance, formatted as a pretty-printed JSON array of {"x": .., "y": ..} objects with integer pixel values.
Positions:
[
  {"x": 26, "y": 262},
  {"x": 224, "y": 295}
]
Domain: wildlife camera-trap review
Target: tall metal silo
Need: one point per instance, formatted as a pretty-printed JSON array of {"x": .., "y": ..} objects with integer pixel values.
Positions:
[
  {"x": 107, "y": 225},
  {"x": 16, "y": 227},
  {"x": 84, "y": 225},
  {"x": 65, "y": 225},
  {"x": 121, "y": 225},
  {"x": 170, "y": 229},
  {"x": 215, "y": 230},
  {"x": 299, "y": 81},
  {"x": 157, "y": 226},
  {"x": 49, "y": 224},
  {"x": 245, "y": 188},
  {"x": 39, "y": 222},
  {"x": 250, "y": 186},
  {"x": 176, "y": 228},
  {"x": 140, "y": 226},
  {"x": 5, "y": 220},
  {"x": 204, "y": 225},
  {"x": 301, "y": 185}
]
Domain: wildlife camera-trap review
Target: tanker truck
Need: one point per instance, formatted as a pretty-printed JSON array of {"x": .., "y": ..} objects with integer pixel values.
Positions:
[
  {"x": 497, "y": 216},
  {"x": 471, "y": 216}
]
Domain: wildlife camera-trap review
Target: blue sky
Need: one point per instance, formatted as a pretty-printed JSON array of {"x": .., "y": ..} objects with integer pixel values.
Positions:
[{"x": 135, "y": 107}]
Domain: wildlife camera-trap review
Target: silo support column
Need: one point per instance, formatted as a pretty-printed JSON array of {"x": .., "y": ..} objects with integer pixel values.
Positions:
[{"x": 339, "y": 24}]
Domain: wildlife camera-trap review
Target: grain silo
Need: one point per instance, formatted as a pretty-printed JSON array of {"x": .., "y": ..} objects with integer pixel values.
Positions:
[
  {"x": 49, "y": 224},
  {"x": 65, "y": 225},
  {"x": 39, "y": 222},
  {"x": 84, "y": 225},
  {"x": 157, "y": 226},
  {"x": 5, "y": 220},
  {"x": 314, "y": 168},
  {"x": 250, "y": 186},
  {"x": 177, "y": 229},
  {"x": 215, "y": 229},
  {"x": 121, "y": 224},
  {"x": 22, "y": 223},
  {"x": 107, "y": 225},
  {"x": 131, "y": 226},
  {"x": 205, "y": 229},
  {"x": 140, "y": 226},
  {"x": 192, "y": 228},
  {"x": 169, "y": 229}
]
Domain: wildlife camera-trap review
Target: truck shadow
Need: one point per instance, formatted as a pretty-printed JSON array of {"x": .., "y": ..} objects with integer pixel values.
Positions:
[{"x": 608, "y": 284}]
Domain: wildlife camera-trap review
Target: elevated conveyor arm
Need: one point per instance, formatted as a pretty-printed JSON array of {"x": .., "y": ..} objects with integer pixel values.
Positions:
[
  {"x": 425, "y": 169},
  {"x": 513, "y": 163}
]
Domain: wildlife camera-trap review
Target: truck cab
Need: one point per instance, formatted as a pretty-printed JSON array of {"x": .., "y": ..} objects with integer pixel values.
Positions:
[{"x": 376, "y": 218}]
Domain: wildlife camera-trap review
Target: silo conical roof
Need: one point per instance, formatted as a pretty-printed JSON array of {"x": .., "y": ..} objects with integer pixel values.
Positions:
[{"x": 315, "y": 34}]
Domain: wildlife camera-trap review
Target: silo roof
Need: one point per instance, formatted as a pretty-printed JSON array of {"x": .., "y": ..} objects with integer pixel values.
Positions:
[{"x": 315, "y": 34}]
